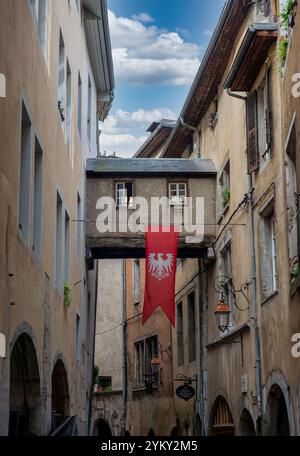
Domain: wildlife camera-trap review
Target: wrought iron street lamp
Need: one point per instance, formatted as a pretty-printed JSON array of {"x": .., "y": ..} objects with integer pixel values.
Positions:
[
  {"x": 224, "y": 286},
  {"x": 222, "y": 314}
]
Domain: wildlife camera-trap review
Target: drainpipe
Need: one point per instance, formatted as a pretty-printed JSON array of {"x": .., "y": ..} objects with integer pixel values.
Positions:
[
  {"x": 197, "y": 133},
  {"x": 258, "y": 372},
  {"x": 202, "y": 350},
  {"x": 123, "y": 346},
  {"x": 93, "y": 348},
  {"x": 258, "y": 375}
]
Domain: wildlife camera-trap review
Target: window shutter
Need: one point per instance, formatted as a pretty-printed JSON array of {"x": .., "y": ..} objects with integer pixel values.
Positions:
[
  {"x": 252, "y": 133},
  {"x": 268, "y": 111}
]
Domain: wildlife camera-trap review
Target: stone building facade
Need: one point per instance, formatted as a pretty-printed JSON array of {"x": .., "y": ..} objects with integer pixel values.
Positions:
[
  {"x": 56, "y": 91},
  {"x": 249, "y": 378}
]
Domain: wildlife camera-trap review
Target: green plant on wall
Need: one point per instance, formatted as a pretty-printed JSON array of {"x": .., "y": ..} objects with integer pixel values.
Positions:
[
  {"x": 287, "y": 13},
  {"x": 282, "y": 50},
  {"x": 67, "y": 294},
  {"x": 226, "y": 196}
]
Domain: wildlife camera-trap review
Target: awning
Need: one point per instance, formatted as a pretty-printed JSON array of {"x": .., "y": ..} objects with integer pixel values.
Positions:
[{"x": 251, "y": 56}]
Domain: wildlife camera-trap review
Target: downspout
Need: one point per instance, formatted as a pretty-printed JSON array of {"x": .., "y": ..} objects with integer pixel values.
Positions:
[
  {"x": 123, "y": 347},
  {"x": 258, "y": 372},
  {"x": 93, "y": 350},
  {"x": 202, "y": 352},
  {"x": 258, "y": 375},
  {"x": 197, "y": 133}
]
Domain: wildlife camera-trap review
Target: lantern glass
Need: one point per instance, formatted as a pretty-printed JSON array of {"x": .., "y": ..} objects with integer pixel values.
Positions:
[
  {"x": 222, "y": 320},
  {"x": 222, "y": 315}
]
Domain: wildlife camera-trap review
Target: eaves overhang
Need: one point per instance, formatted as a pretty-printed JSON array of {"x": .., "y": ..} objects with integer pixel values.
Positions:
[
  {"x": 149, "y": 167},
  {"x": 154, "y": 142},
  {"x": 99, "y": 48},
  {"x": 251, "y": 56},
  {"x": 209, "y": 76}
]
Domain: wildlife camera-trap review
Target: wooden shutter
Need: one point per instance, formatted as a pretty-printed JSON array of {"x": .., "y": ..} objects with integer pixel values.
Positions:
[
  {"x": 268, "y": 111},
  {"x": 252, "y": 133}
]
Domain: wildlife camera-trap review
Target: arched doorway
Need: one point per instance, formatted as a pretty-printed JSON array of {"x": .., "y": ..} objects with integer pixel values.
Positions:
[
  {"x": 246, "y": 427},
  {"x": 60, "y": 395},
  {"x": 102, "y": 429},
  {"x": 221, "y": 419},
  {"x": 151, "y": 433},
  {"x": 25, "y": 391},
  {"x": 276, "y": 413}
]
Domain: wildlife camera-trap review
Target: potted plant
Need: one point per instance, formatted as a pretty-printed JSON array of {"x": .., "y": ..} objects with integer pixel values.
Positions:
[
  {"x": 226, "y": 196},
  {"x": 61, "y": 110},
  {"x": 67, "y": 294}
]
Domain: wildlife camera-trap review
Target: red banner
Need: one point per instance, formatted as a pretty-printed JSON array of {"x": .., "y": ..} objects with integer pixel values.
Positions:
[{"x": 161, "y": 256}]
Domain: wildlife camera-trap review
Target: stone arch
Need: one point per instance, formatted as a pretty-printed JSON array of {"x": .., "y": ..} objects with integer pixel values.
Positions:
[
  {"x": 60, "y": 394},
  {"x": 102, "y": 428},
  {"x": 221, "y": 420},
  {"x": 246, "y": 425},
  {"x": 278, "y": 417},
  {"x": 25, "y": 416},
  {"x": 151, "y": 433}
]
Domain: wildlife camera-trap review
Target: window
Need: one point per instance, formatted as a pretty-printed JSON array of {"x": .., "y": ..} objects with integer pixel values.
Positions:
[
  {"x": 61, "y": 77},
  {"x": 69, "y": 104},
  {"x": 224, "y": 183},
  {"x": 39, "y": 8},
  {"x": 268, "y": 257},
  {"x": 145, "y": 351},
  {"x": 139, "y": 365},
  {"x": 263, "y": 10},
  {"x": 89, "y": 113},
  {"x": 259, "y": 124},
  {"x": 67, "y": 248},
  {"x": 77, "y": 337},
  {"x": 137, "y": 281},
  {"x": 151, "y": 351},
  {"x": 292, "y": 200},
  {"x": 192, "y": 327},
  {"x": 177, "y": 193},
  {"x": 79, "y": 222},
  {"x": 226, "y": 270},
  {"x": 79, "y": 104},
  {"x": 180, "y": 345},
  {"x": 59, "y": 226},
  {"x": 25, "y": 165},
  {"x": 124, "y": 194},
  {"x": 37, "y": 198}
]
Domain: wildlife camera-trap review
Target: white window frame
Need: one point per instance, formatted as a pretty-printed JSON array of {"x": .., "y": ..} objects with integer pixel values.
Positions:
[
  {"x": 177, "y": 193},
  {"x": 121, "y": 196}
]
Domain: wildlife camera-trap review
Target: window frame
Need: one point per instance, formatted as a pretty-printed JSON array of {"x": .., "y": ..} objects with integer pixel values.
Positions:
[{"x": 177, "y": 200}]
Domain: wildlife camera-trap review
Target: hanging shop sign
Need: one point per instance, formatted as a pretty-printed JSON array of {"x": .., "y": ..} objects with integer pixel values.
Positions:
[{"x": 185, "y": 392}]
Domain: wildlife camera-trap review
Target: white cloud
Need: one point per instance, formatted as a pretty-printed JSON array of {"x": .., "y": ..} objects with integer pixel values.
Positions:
[
  {"x": 148, "y": 55},
  {"x": 208, "y": 33},
  {"x": 143, "y": 17},
  {"x": 124, "y": 132}
]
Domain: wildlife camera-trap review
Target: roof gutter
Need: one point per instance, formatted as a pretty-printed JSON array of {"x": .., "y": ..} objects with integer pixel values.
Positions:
[
  {"x": 246, "y": 44},
  {"x": 222, "y": 20}
]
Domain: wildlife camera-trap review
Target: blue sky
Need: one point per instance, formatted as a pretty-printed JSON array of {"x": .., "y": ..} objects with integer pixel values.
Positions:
[{"x": 157, "y": 48}]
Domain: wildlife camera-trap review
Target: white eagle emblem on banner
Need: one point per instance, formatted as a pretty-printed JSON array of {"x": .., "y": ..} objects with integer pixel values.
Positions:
[{"x": 158, "y": 267}]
